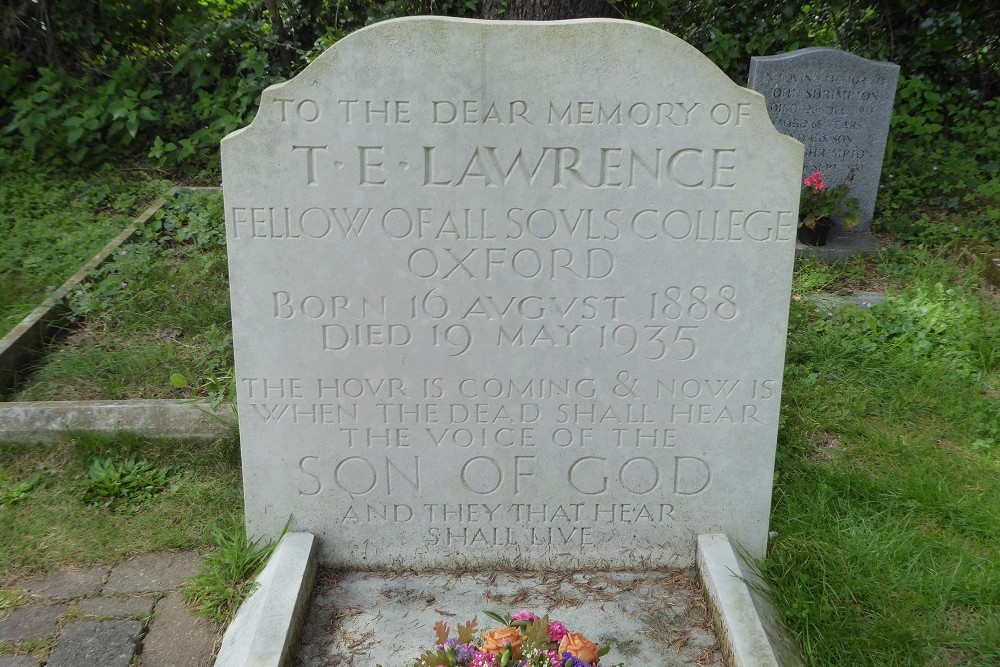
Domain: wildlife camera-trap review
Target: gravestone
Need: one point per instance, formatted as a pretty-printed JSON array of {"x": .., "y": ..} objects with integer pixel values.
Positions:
[
  {"x": 838, "y": 105},
  {"x": 510, "y": 293}
]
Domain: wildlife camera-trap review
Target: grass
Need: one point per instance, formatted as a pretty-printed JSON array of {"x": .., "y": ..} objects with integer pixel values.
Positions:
[
  {"x": 57, "y": 526},
  {"x": 227, "y": 574},
  {"x": 51, "y": 223},
  {"x": 159, "y": 312},
  {"x": 886, "y": 503}
]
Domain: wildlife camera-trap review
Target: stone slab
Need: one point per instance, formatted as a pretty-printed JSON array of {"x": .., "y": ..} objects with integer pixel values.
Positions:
[
  {"x": 747, "y": 625},
  {"x": 31, "y": 623},
  {"x": 117, "y": 607},
  {"x": 96, "y": 644},
  {"x": 526, "y": 314},
  {"x": 266, "y": 627},
  {"x": 837, "y": 104},
  {"x": 178, "y": 638},
  {"x": 18, "y": 661},
  {"x": 154, "y": 572},
  {"x": 49, "y": 421},
  {"x": 368, "y": 618},
  {"x": 67, "y": 584}
]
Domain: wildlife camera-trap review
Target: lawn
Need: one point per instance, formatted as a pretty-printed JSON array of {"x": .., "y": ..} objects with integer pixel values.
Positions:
[{"x": 52, "y": 222}]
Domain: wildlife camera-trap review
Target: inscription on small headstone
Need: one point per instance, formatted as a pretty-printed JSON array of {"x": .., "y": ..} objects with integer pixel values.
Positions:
[
  {"x": 838, "y": 105},
  {"x": 510, "y": 293}
]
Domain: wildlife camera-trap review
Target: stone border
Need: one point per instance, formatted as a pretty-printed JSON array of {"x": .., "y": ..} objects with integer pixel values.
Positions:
[
  {"x": 48, "y": 421},
  {"x": 843, "y": 245},
  {"x": 747, "y": 624},
  {"x": 266, "y": 627},
  {"x": 26, "y": 341}
]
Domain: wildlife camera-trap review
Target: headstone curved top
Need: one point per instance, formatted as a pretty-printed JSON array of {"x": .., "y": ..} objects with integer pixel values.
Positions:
[
  {"x": 510, "y": 292},
  {"x": 839, "y": 105}
]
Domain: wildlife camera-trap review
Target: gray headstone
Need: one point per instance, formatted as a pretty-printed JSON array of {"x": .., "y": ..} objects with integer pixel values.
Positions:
[
  {"x": 838, "y": 105},
  {"x": 510, "y": 293}
]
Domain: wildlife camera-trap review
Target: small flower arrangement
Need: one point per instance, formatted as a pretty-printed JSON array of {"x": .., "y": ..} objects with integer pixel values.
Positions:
[
  {"x": 523, "y": 640},
  {"x": 821, "y": 204}
]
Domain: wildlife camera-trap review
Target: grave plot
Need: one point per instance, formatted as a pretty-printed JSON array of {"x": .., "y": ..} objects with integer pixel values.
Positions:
[{"x": 500, "y": 303}]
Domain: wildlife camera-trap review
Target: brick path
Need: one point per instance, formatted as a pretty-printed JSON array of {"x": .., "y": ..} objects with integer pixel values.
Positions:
[{"x": 106, "y": 617}]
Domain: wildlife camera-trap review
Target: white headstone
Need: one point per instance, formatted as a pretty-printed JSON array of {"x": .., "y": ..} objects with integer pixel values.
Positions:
[
  {"x": 839, "y": 105},
  {"x": 510, "y": 293}
]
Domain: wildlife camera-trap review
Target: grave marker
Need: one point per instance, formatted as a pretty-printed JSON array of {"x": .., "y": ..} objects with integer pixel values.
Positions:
[
  {"x": 510, "y": 293},
  {"x": 838, "y": 105}
]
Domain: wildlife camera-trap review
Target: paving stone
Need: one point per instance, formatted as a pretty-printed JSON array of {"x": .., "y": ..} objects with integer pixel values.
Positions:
[
  {"x": 96, "y": 644},
  {"x": 31, "y": 623},
  {"x": 154, "y": 572},
  {"x": 177, "y": 638},
  {"x": 68, "y": 584},
  {"x": 117, "y": 607},
  {"x": 18, "y": 661}
]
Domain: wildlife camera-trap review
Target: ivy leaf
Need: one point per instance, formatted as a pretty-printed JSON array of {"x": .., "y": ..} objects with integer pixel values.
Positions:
[
  {"x": 467, "y": 631},
  {"x": 442, "y": 630}
]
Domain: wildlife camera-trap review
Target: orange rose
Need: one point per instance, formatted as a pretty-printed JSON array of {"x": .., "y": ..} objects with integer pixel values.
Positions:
[
  {"x": 579, "y": 646},
  {"x": 495, "y": 641}
]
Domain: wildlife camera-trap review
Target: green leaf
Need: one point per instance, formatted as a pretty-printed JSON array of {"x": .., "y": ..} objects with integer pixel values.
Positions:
[
  {"x": 178, "y": 381},
  {"x": 497, "y": 617}
]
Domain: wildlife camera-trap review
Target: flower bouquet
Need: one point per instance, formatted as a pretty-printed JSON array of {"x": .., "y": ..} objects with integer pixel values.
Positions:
[{"x": 524, "y": 640}]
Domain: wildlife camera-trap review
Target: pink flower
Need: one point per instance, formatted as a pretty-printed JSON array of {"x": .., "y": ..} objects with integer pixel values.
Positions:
[
  {"x": 524, "y": 615},
  {"x": 815, "y": 181},
  {"x": 557, "y": 631},
  {"x": 484, "y": 660}
]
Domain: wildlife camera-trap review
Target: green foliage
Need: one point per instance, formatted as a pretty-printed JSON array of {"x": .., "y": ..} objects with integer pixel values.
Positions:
[
  {"x": 227, "y": 574},
  {"x": 128, "y": 483},
  {"x": 15, "y": 492}
]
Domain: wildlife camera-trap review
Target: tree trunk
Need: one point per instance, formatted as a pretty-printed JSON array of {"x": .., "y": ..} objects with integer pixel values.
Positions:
[
  {"x": 279, "y": 30},
  {"x": 546, "y": 10}
]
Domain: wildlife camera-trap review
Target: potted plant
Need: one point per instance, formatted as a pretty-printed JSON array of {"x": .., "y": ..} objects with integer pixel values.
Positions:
[{"x": 821, "y": 207}]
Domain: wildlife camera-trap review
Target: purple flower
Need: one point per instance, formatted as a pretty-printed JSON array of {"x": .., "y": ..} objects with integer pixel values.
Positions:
[{"x": 524, "y": 615}]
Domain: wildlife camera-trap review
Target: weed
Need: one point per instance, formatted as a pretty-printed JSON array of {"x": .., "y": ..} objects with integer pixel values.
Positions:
[
  {"x": 10, "y": 599},
  {"x": 227, "y": 574},
  {"x": 15, "y": 492},
  {"x": 113, "y": 483}
]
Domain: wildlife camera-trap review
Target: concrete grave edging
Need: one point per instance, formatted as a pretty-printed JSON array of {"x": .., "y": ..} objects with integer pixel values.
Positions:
[
  {"x": 267, "y": 624},
  {"x": 269, "y": 621},
  {"x": 745, "y": 619},
  {"x": 48, "y": 421}
]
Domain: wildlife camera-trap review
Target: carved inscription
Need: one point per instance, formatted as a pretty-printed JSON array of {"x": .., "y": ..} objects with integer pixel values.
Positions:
[{"x": 496, "y": 322}]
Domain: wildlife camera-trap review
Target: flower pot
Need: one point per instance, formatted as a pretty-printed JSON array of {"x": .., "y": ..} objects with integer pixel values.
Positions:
[{"x": 814, "y": 236}]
